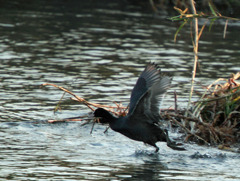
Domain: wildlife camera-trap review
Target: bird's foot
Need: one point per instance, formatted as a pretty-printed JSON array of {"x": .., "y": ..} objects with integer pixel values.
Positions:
[{"x": 173, "y": 144}]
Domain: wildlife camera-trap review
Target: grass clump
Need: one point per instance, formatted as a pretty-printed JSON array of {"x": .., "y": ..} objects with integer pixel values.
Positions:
[
  {"x": 219, "y": 108},
  {"x": 215, "y": 118}
]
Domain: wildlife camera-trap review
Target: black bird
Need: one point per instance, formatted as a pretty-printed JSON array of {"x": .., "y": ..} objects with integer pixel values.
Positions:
[{"x": 141, "y": 122}]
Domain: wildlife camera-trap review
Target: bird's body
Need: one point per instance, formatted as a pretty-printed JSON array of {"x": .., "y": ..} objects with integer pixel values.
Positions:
[
  {"x": 141, "y": 122},
  {"x": 143, "y": 131}
]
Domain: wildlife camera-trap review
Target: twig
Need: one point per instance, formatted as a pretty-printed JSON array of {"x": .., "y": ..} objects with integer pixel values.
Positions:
[
  {"x": 185, "y": 17},
  {"x": 175, "y": 102},
  {"x": 222, "y": 97},
  {"x": 92, "y": 127},
  {"x": 187, "y": 130},
  {"x": 225, "y": 29},
  {"x": 106, "y": 129},
  {"x": 79, "y": 99},
  {"x": 97, "y": 105}
]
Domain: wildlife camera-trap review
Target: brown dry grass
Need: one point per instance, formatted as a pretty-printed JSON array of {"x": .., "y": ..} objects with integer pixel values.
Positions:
[{"x": 215, "y": 118}]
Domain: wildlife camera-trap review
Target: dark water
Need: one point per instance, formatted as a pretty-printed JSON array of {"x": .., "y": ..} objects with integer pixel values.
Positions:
[{"x": 97, "y": 50}]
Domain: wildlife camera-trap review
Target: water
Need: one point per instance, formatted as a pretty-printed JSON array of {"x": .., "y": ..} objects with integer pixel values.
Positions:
[{"x": 97, "y": 50}]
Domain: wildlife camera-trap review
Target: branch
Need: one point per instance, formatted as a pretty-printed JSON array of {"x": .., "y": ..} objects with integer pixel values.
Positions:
[{"x": 88, "y": 104}]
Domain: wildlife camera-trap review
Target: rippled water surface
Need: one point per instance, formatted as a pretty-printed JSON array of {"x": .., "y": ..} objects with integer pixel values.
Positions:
[{"x": 97, "y": 49}]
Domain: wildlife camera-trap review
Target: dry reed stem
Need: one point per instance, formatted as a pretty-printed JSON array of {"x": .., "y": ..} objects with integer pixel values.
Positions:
[
  {"x": 195, "y": 49},
  {"x": 81, "y": 100},
  {"x": 120, "y": 109},
  {"x": 225, "y": 29}
]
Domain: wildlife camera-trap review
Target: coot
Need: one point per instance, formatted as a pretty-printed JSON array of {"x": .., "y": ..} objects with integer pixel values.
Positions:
[{"x": 141, "y": 122}]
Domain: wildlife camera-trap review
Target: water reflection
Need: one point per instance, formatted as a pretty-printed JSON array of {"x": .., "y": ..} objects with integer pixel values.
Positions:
[{"x": 97, "y": 51}]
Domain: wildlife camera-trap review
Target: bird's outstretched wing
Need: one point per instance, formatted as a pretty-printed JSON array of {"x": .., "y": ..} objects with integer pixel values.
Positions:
[{"x": 147, "y": 94}]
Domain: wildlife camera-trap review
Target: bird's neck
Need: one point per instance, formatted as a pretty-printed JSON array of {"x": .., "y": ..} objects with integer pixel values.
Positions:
[
  {"x": 117, "y": 124},
  {"x": 110, "y": 117}
]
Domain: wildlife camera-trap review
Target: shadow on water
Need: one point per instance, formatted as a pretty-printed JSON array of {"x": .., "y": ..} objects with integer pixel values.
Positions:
[{"x": 97, "y": 49}]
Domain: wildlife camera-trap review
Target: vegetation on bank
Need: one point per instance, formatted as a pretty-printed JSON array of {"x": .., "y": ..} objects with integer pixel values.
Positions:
[{"x": 215, "y": 118}]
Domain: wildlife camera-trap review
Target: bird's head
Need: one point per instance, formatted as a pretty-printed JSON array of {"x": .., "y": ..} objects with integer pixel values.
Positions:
[{"x": 104, "y": 115}]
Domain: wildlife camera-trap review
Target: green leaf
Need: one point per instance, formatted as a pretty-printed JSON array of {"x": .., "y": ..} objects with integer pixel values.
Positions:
[
  {"x": 176, "y": 18},
  {"x": 211, "y": 24},
  {"x": 211, "y": 6},
  {"x": 178, "y": 30}
]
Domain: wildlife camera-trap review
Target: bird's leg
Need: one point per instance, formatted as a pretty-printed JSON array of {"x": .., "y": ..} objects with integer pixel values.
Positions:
[
  {"x": 106, "y": 129},
  {"x": 157, "y": 149},
  {"x": 153, "y": 144},
  {"x": 171, "y": 143}
]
